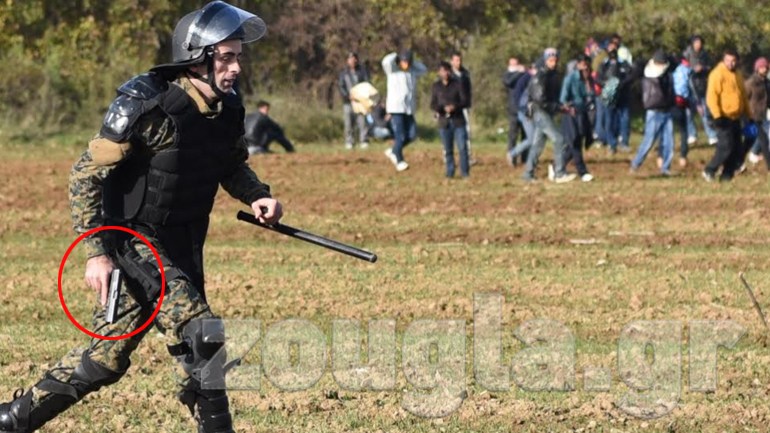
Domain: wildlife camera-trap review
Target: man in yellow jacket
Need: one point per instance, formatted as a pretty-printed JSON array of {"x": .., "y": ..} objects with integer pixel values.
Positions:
[{"x": 726, "y": 99}]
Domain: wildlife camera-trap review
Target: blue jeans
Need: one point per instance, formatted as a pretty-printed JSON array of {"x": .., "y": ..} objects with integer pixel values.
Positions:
[
  {"x": 610, "y": 126},
  {"x": 700, "y": 106},
  {"x": 545, "y": 127},
  {"x": 658, "y": 126},
  {"x": 624, "y": 126},
  {"x": 404, "y": 132},
  {"x": 529, "y": 130},
  {"x": 599, "y": 132},
  {"x": 691, "y": 130},
  {"x": 763, "y": 128},
  {"x": 682, "y": 118},
  {"x": 449, "y": 136}
]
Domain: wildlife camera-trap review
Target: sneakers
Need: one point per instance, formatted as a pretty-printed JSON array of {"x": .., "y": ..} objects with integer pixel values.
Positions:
[
  {"x": 691, "y": 140},
  {"x": 588, "y": 177},
  {"x": 713, "y": 141},
  {"x": 708, "y": 177},
  {"x": 551, "y": 173},
  {"x": 349, "y": 146},
  {"x": 625, "y": 148},
  {"x": 391, "y": 156},
  {"x": 754, "y": 158},
  {"x": 365, "y": 145},
  {"x": 400, "y": 166},
  {"x": 565, "y": 178}
]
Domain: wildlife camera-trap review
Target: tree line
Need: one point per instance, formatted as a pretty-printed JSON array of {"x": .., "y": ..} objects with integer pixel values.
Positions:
[{"x": 64, "y": 58}]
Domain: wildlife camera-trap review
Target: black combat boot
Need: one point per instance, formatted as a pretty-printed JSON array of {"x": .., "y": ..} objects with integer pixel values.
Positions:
[{"x": 19, "y": 416}]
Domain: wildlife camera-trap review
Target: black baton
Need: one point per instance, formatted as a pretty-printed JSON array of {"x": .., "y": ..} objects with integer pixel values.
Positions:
[{"x": 309, "y": 237}]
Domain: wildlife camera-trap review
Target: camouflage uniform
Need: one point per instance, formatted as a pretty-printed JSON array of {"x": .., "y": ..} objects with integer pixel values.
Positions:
[{"x": 184, "y": 300}]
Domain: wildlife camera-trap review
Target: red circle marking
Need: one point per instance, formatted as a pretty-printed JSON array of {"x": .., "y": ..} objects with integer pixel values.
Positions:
[{"x": 162, "y": 282}]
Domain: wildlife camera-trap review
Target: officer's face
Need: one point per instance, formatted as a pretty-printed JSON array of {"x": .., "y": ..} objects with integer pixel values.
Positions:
[{"x": 227, "y": 66}]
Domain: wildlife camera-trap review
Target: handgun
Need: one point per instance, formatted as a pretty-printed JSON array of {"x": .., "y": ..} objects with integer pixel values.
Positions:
[{"x": 116, "y": 280}]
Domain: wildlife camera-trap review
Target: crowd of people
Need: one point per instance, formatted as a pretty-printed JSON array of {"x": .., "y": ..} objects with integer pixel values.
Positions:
[
  {"x": 593, "y": 100},
  {"x": 587, "y": 104}
]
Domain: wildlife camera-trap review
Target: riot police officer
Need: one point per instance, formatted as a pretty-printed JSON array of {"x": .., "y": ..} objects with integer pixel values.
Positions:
[{"x": 168, "y": 140}]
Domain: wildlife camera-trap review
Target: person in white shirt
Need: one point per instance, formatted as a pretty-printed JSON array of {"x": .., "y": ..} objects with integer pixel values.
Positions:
[{"x": 401, "y": 103}]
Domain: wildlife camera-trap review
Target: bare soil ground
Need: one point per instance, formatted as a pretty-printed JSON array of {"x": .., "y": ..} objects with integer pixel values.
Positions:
[{"x": 592, "y": 256}]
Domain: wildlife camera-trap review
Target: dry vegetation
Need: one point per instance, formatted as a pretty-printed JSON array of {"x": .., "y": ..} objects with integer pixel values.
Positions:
[{"x": 594, "y": 257}]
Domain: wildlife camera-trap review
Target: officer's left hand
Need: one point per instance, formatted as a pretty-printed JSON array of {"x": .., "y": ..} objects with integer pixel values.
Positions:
[{"x": 273, "y": 211}]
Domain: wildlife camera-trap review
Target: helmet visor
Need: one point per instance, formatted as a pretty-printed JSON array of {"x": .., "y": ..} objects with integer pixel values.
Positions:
[{"x": 219, "y": 21}]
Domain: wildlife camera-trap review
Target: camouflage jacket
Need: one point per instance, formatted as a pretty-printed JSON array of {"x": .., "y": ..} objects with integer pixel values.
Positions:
[{"x": 156, "y": 131}]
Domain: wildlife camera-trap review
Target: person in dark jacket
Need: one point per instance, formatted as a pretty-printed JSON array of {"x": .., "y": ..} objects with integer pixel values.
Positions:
[
  {"x": 511, "y": 77},
  {"x": 461, "y": 73},
  {"x": 261, "y": 130},
  {"x": 544, "y": 89},
  {"x": 577, "y": 95},
  {"x": 701, "y": 64},
  {"x": 658, "y": 100},
  {"x": 353, "y": 74},
  {"x": 757, "y": 94},
  {"x": 447, "y": 101},
  {"x": 521, "y": 93},
  {"x": 613, "y": 78}
]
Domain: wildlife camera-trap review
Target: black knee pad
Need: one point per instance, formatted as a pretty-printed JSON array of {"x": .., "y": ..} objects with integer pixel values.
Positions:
[
  {"x": 202, "y": 352},
  {"x": 90, "y": 375}
]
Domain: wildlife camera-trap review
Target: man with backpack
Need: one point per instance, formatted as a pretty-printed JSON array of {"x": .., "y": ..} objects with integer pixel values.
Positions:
[
  {"x": 658, "y": 100},
  {"x": 612, "y": 76}
]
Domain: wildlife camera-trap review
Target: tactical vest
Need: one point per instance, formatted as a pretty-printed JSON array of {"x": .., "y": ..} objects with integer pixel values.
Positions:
[{"x": 177, "y": 185}]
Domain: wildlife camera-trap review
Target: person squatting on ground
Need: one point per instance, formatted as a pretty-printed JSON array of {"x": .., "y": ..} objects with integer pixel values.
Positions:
[
  {"x": 169, "y": 139},
  {"x": 261, "y": 130},
  {"x": 353, "y": 74},
  {"x": 577, "y": 95},
  {"x": 726, "y": 100},
  {"x": 544, "y": 89},
  {"x": 757, "y": 95},
  {"x": 447, "y": 101},
  {"x": 402, "y": 74},
  {"x": 461, "y": 73},
  {"x": 658, "y": 100}
]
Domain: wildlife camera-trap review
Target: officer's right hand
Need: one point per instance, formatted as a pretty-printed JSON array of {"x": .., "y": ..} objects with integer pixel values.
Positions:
[{"x": 98, "y": 270}]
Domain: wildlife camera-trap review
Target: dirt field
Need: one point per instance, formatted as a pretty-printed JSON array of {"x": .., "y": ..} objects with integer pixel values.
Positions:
[{"x": 593, "y": 257}]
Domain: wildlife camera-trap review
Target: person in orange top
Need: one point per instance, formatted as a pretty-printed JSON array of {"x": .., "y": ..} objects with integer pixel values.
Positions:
[{"x": 726, "y": 99}]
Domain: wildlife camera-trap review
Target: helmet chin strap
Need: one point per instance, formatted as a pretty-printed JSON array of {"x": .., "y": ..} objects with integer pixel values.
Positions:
[{"x": 210, "y": 78}]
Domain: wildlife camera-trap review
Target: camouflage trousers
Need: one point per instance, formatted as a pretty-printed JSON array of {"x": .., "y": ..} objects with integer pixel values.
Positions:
[{"x": 183, "y": 302}]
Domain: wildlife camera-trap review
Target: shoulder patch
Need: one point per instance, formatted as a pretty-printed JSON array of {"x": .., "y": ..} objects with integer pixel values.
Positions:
[{"x": 106, "y": 152}]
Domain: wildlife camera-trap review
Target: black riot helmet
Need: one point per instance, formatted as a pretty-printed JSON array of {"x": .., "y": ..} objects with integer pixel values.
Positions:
[{"x": 197, "y": 32}]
